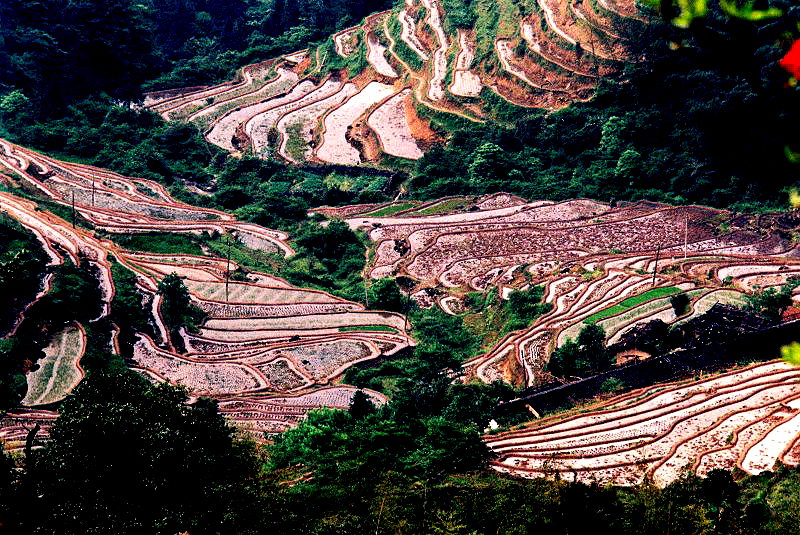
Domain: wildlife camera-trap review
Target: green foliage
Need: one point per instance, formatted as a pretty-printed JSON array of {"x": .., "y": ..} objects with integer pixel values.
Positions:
[
  {"x": 678, "y": 130},
  {"x": 128, "y": 310},
  {"x": 22, "y": 264},
  {"x": 489, "y": 164},
  {"x": 524, "y": 307},
  {"x": 276, "y": 196},
  {"x": 371, "y": 328},
  {"x": 384, "y": 294},
  {"x": 443, "y": 341},
  {"x": 401, "y": 48},
  {"x": 688, "y": 11},
  {"x": 128, "y": 456},
  {"x": 330, "y": 257},
  {"x": 460, "y": 14},
  {"x": 791, "y": 353},
  {"x": 631, "y": 302},
  {"x": 361, "y": 405},
  {"x": 177, "y": 308},
  {"x": 57, "y": 53},
  {"x": 132, "y": 142},
  {"x": 587, "y": 355},
  {"x": 13, "y": 384},
  {"x": 611, "y": 385},
  {"x": 159, "y": 242},
  {"x": 680, "y": 303},
  {"x": 490, "y": 318},
  {"x": 771, "y": 303},
  {"x": 74, "y": 295}
]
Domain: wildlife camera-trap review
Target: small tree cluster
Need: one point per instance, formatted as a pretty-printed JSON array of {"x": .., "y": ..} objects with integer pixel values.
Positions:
[
  {"x": 771, "y": 303},
  {"x": 176, "y": 307},
  {"x": 585, "y": 356}
]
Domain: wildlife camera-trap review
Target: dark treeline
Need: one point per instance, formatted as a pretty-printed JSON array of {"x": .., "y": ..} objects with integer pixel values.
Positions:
[
  {"x": 130, "y": 457},
  {"x": 59, "y": 52}
]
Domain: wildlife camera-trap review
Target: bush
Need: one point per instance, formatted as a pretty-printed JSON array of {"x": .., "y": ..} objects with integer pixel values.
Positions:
[
  {"x": 177, "y": 308},
  {"x": 680, "y": 303},
  {"x": 611, "y": 385},
  {"x": 771, "y": 303}
]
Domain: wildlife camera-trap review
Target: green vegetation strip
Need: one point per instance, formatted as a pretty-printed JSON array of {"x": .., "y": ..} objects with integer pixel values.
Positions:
[
  {"x": 374, "y": 328},
  {"x": 632, "y": 302},
  {"x": 449, "y": 205},
  {"x": 159, "y": 243},
  {"x": 391, "y": 209}
]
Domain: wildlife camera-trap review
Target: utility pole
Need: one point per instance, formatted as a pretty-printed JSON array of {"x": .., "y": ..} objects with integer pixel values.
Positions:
[
  {"x": 227, "y": 267},
  {"x": 685, "y": 232},
  {"x": 655, "y": 267}
]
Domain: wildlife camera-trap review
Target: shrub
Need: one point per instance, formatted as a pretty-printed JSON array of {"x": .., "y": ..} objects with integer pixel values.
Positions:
[
  {"x": 680, "y": 303},
  {"x": 612, "y": 384}
]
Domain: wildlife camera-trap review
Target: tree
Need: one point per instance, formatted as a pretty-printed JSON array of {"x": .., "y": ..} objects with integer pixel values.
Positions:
[
  {"x": 489, "y": 164},
  {"x": 385, "y": 294},
  {"x": 128, "y": 456},
  {"x": 587, "y": 355},
  {"x": 361, "y": 405},
  {"x": 13, "y": 384},
  {"x": 680, "y": 303},
  {"x": 176, "y": 305},
  {"x": 524, "y": 307},
  {"x": 771, "y": 303}
]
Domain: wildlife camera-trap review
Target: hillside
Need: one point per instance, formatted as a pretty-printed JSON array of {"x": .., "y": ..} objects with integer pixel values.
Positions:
[
  {"x": 377, "y": 88},
  {"x": 400, "y": 266},
  {"x": 268, "y": 350},
  {"x": 615, "y": 266}
]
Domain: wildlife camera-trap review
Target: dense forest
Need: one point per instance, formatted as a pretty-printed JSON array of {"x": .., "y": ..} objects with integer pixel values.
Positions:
[{"x": 709, "y": 118}]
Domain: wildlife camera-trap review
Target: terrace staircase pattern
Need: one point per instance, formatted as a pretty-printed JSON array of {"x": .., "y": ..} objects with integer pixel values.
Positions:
[
  {"x": 748, "y": 418},
  {"x": 617, "y": 266},
  {"x": 269, "y": 351},
  {"x": 554, "y": 56}
]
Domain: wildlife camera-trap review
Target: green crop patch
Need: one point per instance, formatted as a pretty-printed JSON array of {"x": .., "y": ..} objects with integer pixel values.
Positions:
[
  {"x": 391, "y": 209},
  {"x": 631, "y": 302}
]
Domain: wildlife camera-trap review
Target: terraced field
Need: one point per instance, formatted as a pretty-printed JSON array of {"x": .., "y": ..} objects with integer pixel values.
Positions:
[
  {"x": 616, "y": 266},
  {"x": 320, "y": 105},
  {"x": 15, "y": 426},
  {"x": 59, "y": 371},
  {"x": 747, "y": 419},
  {"x": 266, "y": 343}
]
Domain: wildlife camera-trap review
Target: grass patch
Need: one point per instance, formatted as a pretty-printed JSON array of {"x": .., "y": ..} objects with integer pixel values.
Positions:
[
  {"x": 295, "y": 144},
  {"x": 443, "y": 122},
  {"x": 159, "y": 243},
  {"x": 485, "y": 29},
  {"x": 450, "y": 205},
  {"x": 490, "y": 318},
  {"x": 390, "y": 209},
  {"x": 632, "y": 302}
]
